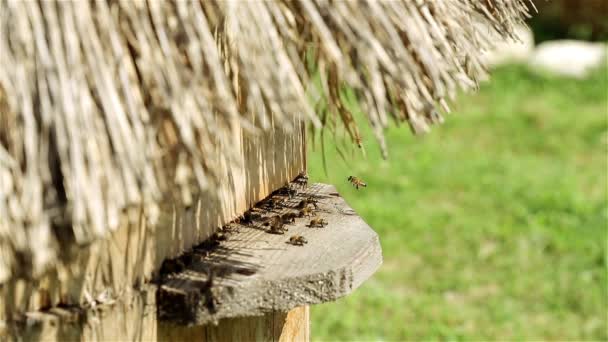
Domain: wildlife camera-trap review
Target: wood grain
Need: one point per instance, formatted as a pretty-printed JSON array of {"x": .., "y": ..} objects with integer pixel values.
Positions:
[{"x": 295, "y": 326}]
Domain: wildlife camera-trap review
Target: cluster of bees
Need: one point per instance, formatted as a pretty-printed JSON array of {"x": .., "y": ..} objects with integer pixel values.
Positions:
[
  {"x": 306, "y": 208},
  {"x": 278, "y": 224}
]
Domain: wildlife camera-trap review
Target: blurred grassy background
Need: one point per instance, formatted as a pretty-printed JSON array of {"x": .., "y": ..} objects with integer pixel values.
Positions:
[{"x": 493, "y": 226}]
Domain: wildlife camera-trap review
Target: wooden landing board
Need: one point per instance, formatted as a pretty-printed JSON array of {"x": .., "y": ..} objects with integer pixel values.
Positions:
[{"x": 247, "y": 271}]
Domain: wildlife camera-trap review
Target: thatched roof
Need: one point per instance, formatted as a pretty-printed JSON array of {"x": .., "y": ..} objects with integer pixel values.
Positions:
[{"x": 105, "y": 105}]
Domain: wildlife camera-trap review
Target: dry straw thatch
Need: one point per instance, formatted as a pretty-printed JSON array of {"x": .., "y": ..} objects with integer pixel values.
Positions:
[{"x": 105, "y": 105}]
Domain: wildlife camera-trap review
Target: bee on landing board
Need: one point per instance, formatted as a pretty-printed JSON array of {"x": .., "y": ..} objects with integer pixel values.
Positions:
[
  {"x": 289, "y": 218},
  {"x": 306, "y": 211},
  {"x": 297, "y": 240},
  {"x": 317, "y": 222},
  {"x": 302, "y": 179},
  {"x": 356, "y": 182},
  {"x": 305, "y": 202},
  {"x": 286, "y": 191},
  {"x": 248, "y": 217},
  {"x": 276, "y": 225},
  {"x": 271, "y": 204}
]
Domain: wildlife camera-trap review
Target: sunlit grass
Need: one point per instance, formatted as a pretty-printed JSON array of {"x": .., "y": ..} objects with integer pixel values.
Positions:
[{"x": 493, "y": 226}]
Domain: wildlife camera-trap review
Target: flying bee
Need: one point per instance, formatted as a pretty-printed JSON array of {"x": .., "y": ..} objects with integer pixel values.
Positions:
[
  {"x": 297, "y": 240},
  {"x": 306, "y": 211},
  {"x": 356, "y": 182},
  {"x": 305, "y": 202},
  {"x": 317, "y": 222},
  {"x": 289, "y": 218}
]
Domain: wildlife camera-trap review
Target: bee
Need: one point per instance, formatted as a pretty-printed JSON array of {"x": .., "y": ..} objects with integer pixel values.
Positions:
[
  {"x": 356, "y": 182},
  {"x": 276, "y": 225},
  {"x": 271, "y": 204},
  {"x": 278, "y": 228},
  {"x": 317, "y": 222},
  {"x": 249, "y": 216},
  {"x": 219, "y": 236},
  {"x": 172, "y": 266},
  {"x": 288, "y": 218},
  {"x": 306, "y": 211},
  {"x": 287, "y": 191},
  {"x": 302, "y": 179},
  {"x": 305, "y": 202},
  {"x": 297, "y": 240},
  {"x": 231, "y": 227}
]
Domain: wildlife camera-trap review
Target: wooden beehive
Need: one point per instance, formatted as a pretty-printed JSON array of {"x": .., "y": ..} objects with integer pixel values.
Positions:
[{"x": 132, "y": 133}]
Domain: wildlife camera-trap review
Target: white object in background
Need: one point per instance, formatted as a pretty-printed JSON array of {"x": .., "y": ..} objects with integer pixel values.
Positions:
[
  {"x": 511, "y": 51},
  {"x": 568, "y": 57}
]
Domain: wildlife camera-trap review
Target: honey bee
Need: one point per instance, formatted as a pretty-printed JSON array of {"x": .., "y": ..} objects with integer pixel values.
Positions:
[
  {"x": 356, "y": 182},
  {"x": 270, "y": 204},
  {"x": 249, "y": 216},
  {"x": 305, "y": 202},
  {"x": 287, "y": 191},
  {"x": 306, "y": 211},
  {"x": 302, "y": 179},
  {"x": 172, "y": 266},
  {"x": 317, "y": 222},
  {"x": 276, "y": 225},
  {"x": 219, "y": 236},
  {"x": 231, "y": 227},
  {"x": 288, "y": 218},
  {"x": 297, "y": 240}
]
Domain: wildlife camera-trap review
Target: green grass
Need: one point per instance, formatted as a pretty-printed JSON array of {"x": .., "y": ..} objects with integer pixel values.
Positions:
[{"x": 493, "y": 226}]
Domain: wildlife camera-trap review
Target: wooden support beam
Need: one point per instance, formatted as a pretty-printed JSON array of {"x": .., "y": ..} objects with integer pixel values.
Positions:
[
  {"x": 292, "y": 326},
  {"x": 137, "y": 322}
]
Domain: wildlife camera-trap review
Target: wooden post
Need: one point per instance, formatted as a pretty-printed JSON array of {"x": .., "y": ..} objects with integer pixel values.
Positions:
[{"x": 275, "y": 326}]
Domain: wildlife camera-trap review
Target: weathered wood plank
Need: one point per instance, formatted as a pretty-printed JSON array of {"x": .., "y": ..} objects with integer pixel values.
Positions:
[{"x": 250, "y": 271}]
